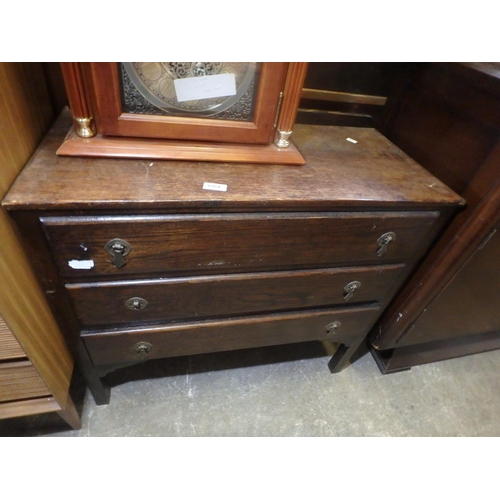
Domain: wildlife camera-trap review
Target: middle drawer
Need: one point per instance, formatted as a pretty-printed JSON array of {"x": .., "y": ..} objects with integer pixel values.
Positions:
[{"x": 201, "y": 297}]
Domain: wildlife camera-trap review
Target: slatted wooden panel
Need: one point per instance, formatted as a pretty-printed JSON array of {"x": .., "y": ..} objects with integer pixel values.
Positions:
[
  {"x": 20, "y": 380},
  {"x": 26, "y": 114},
  {"x": 9, "y": 346},
  {"x": 28, "y": 407}
]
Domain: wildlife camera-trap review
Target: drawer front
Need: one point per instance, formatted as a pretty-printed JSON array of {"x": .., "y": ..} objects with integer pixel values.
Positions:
[
  {"x": 223, "y": 295},
  {"x": 20, "y": 380},
  {"x": 194, "y": 244},
  {"x": 108, "y": 347}
]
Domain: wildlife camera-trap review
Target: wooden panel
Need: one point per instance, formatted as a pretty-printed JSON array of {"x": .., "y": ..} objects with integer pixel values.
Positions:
[
  {"x": 468, "y": 304},
  {"x": 334, "y": 96},
  {"x": 237, "y": 243},
  {"x": 212, "y": 336},
  {"x": 337, "y": 174},
  {"x": 219, "y": 296},
  {"x": 346, "y": 94},
  {"x": 448, "y": 123},
  {"x": 460, "y": 103},
  {"x": 405, "y": 357},
  {"x": 9, "y": 346},
  {"x": 26, "y": 114},
  {"x": 450, "y": 143},
  {"x": 26, "y": 309},
  {"x": 55, "y": 85},
  {"x": 28, "y": 407},
  {"x": 104, "y": 147},
  {"x": 371, "y": 78},
  {"x": 20, "y": 380}
]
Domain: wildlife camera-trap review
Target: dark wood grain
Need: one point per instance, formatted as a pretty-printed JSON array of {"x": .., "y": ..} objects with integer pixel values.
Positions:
[
  {"x": 337, "y": 174},
  {"x": 474, "y": 287},
  {"x": 252, "y": 260},
  {"x": 219, "y": 296},
  {"x": 457, "y": 107},
  {"x": 405, "y": 357},
  {"x": 174, "y": 244},
  {"x": 108, "y": 347}
]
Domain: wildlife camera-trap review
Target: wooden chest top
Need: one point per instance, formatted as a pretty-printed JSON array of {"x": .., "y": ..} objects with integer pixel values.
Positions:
[{"x": 338, "y": 173}]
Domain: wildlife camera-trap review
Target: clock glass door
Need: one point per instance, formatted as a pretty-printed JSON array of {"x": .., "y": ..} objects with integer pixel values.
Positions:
[
  {"x": 220, "y": 90},
  {"x": 233, "y": 102}
]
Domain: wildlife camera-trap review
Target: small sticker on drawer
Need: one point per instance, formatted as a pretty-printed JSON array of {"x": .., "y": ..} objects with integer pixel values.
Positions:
[
  {"x": 81, "y": 264},
  {"x": 354, "y": 141},
  {"x": 212, "y": 186}
]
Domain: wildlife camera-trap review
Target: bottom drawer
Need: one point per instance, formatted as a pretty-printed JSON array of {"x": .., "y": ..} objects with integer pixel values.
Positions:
[
  {"x": 179, "y": 339},
  {"x": 20, "y": 380}
]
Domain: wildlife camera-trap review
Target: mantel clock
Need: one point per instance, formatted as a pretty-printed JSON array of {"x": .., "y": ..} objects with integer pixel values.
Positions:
[{"x": 204, "y": 111}]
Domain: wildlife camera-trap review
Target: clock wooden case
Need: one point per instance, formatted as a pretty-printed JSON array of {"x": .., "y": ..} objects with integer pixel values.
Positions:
[{"x": 132, "y": 110}]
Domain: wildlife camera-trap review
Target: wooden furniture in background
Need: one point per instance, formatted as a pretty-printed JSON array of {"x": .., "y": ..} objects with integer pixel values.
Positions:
[
  {"x": 141, "y": 261},
  {"x": 35, "y": 363},
  {"x": 346, "y": 94},
  {"x": 447, "y": 117}
]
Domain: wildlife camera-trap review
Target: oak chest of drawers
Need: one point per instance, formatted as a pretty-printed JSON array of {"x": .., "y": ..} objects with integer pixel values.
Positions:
[{"x": 141, "y": 261}]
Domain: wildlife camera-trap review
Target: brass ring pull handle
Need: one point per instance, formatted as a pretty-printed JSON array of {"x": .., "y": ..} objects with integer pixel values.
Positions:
[
  {"x": 332, "y": 328},
  {"x": 118, "y": 249},
  {"x": 136, "y": 303},
  {"x": 384, "y": 241},
  {"x": 142, "y": 349},
  {"x": 350, "y": 288}
]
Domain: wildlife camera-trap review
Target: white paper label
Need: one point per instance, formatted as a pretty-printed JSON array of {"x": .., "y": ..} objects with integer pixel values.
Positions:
[
  {"x": 351, "y": 140},
  {"x": 81, "y": 264},
  {"x": 205, "y": 87},
  {"x": 212, "y": 186}
]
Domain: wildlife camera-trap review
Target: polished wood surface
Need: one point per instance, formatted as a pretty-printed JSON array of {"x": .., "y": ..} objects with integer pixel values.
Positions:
[
  {"x": 272, "y": 219},
  {"x": 229, "y": 334},
  {"x": 337, "y": 174},
  {"x": 292, "y": 91},
  {"x": 177, "y": 244},
  {"x": 75, "y": 80},
  {"x": 111, "y": 147},
  {"x": 26, "y": 115},
  {"x": 224, "y": 295}
]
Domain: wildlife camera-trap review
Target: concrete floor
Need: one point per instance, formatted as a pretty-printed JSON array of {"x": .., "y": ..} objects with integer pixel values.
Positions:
[{"x": 286, "y": 391}]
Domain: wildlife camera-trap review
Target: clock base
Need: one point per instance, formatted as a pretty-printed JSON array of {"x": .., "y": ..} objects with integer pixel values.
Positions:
[{"x": 120, "y": 147}]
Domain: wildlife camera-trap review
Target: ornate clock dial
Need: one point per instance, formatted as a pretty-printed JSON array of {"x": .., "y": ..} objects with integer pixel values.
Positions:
[{"x": 149, "y": 88}]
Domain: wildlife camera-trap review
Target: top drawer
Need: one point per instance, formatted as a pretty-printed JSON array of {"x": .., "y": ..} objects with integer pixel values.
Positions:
[{"x": 183, "y": 244}]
